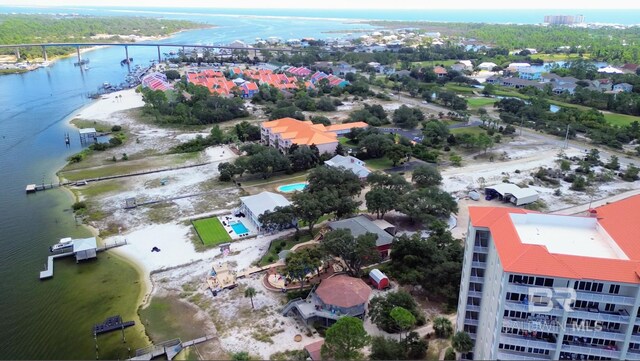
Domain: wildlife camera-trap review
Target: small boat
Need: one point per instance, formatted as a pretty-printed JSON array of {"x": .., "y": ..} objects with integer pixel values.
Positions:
[
  {"x": 62, "y": 245},
  {"x": 86, "y": 67}
]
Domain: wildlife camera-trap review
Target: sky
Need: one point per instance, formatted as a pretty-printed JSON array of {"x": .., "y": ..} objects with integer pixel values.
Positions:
[{"x": 343, "y": 4}]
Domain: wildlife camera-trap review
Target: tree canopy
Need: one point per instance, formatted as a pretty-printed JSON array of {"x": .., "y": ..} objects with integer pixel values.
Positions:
[
  {"x": 345, "y": 339},
  {"x": 354, "y": 251}
]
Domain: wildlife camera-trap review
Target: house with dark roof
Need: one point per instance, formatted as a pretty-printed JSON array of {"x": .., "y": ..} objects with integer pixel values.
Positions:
[
  {"x": 361, "y": 225},
  {"x": 335, "y": 297}
]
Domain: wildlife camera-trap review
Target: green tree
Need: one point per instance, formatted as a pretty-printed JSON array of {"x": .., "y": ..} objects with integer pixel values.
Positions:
[
  {"x": 613, "y": 163},
  {"x": 240, "y": 356},
  {"x": 442, "y": 327},
  {"x": 461, "y": 342},
  {"x": 300, "y": 263},
  {"x": 380, "y": 201},
  {"x": 380, "y": 308},
  {"x": 427, "y": 204},
  {"x": 325, "y": 104},
  {"x": 344, "y": 340},
  {"x": 355, "y": 252},
  {"x": 404, "y": 319},
  {"x": 484, "y": 142},
  {"x": 426, "y": 176},
  {"x": 308, "y": 207},
  {"x": 407, "y": 117},
  {"x": 375, "y": 145},
  {"x": 279, "y": 218},
  {"x": 631, "y": 173},
  {"x": 435, "y": 133},
  {"x": 579, "y": 184},
  {"x": 450, "y": 354},
  {"x": 250, "y": 292},
  {"x": 396, "y": 153},
  {"x": 172, "y": 74}
]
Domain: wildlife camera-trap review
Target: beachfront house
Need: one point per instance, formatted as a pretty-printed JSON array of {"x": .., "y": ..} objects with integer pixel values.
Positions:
[
  {"x": 355, "y": 165},
  {"x": 254, "y": 206},
  {"x": 335, "y": 297},
  {"x": 361, "y": 225}
]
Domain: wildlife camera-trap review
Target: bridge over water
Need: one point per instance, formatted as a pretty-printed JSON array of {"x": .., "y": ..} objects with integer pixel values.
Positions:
[{"x": 126, "y": 46}]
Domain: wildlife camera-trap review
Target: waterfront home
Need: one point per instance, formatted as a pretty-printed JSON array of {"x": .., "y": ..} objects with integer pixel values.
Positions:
[
  {"x": 335, "y": 297},
  {"x": 519, "y": 83},
  {"x": 256, "y": 205},
  {"x": 156, "y": 81},
  {"x": 609, "y": 70},
  {"x": 355, "y": 165},
  {"x": 623, "y": 87}
]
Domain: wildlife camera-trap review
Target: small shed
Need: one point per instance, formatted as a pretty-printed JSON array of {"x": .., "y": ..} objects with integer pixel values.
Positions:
[
  {"x": 509, "y": 192},
  {"x": 85, "y": 248},
  {"x": 379, "y": 279},
  {"x": 313, "y": 349}
]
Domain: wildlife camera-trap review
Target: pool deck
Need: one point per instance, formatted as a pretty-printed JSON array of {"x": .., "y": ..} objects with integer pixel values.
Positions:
[{"x": 232, "y": 219}]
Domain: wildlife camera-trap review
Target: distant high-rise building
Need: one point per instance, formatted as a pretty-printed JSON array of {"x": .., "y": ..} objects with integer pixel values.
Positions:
[{"x": 563, "y": 19}]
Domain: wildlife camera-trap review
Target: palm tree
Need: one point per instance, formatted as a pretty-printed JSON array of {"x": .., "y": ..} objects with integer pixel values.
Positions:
[
  {"x": 442, "y": 327},
  {"x": 250, "y": 292}
]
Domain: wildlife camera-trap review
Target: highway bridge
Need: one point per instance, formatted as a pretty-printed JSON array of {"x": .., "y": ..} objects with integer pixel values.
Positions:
[{"x": 126, "y": 46}]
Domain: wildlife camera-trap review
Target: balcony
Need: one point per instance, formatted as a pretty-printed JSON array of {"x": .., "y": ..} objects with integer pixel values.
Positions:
[
  {"x": 518, "y": 340},
  {"x": 531, "y": 325},
  {"x": 613, "y": 335},
  {"x": 514, "y": 355},
  {"x": 473, "y": 308},
  {"x": 605, "y": 298},
  {"x": 476, "y": 294},
  {"x": 520, "y": 288},
  {"x": 633, "y": 354},
  {"x": 476, "y": 264},
  {"x": 596, "y": 315},
  {"x": 524, "y": 307},
  {"x": 469, "y": 321},
  {"x": 592, "y": 350},
  {"x": 479, "y": 249},
  {"x": 635, "y": 338},
  {"x": 476, "y": 279}
]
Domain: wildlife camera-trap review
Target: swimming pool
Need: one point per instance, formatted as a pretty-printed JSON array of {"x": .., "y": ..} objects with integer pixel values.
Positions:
[
  {"x": 239, "y": 228},
  {"x": 287, "y": 188}
]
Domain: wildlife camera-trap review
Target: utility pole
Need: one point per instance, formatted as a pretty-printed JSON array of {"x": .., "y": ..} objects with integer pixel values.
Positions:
[{"x": 566, "y": 138}]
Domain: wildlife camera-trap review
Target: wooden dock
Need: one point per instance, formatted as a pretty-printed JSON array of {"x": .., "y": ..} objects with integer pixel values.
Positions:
[
  {"x": 32, "y": 188},
  {"x": 113, "y": 323},
  {"x": 168, "y": 349},
  {"x": 48, "y": 271}
]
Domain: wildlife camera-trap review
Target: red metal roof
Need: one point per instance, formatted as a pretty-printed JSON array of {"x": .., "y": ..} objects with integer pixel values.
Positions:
[
  {"x": 619, "y": 220},
  {"x": 343, "y": 291}
]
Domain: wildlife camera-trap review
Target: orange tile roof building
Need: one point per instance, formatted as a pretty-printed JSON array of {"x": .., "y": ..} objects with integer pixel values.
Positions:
[
  {"x": 544, "y": 286},
  {"x": 283, "y": 133}
]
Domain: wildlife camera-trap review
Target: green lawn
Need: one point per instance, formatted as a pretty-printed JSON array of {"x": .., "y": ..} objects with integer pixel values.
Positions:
[
  {"x": 480, "y": 102},
  {"x": 280, "y": 245},
  {"x": 470, "y": 130},
  {"x": 211, "y": 231},
  {"x": 446, "y": 63},
  {"x": 379, "y": 163},
  {"x": 461, "y": 88},
  {"x": 620, "y": 119},
  {"x": 559, "y": 57}
]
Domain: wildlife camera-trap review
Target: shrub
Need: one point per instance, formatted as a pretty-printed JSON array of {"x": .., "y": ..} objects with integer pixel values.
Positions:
[
  {"x": 115, "y": 141},
  {"x": 449, "y": 354},
  {"x": 78, "y": 206},
  {"x": 116, "y": 128}
]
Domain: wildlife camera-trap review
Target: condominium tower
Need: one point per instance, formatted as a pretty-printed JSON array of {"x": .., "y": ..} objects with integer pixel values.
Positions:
[{"x": 543, "y": 286}]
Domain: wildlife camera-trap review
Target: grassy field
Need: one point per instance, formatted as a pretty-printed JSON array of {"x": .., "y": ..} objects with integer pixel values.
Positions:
[
  {"x": 559, "y": 57},
  {"x": 461, "y": 88},
  {"x": 470, "y": 130},
  {"x": 620, "y": 119},
  {"x": 448, "y": 62},
  {"x": 211, "y": 231},
  {"x": 280, "y": 245},
  {"x": 379, "y": 163},
  {"x": 480, "y": 102}
]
